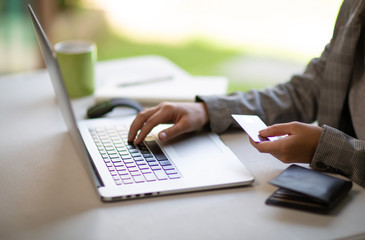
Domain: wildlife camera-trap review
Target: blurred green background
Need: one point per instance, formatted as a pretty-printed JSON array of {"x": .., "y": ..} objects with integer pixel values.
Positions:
[{"x": 253, "y": 43}]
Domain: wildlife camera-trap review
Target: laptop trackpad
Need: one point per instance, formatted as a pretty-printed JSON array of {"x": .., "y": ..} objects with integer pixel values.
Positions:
[{"x": 194, "y": 146}]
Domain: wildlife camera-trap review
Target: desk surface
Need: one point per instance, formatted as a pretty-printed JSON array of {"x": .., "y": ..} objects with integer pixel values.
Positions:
[{"x": 46, "y": 193}]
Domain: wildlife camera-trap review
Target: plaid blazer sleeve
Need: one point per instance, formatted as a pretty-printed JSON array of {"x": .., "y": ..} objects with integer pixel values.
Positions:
[{"x": 339, "y": 153}]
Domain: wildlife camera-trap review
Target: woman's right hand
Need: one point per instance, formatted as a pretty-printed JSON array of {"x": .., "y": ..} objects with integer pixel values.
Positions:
[{"x": 186, "y": 117}]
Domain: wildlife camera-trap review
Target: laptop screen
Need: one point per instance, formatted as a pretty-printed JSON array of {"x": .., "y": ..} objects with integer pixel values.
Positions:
[
  {"x": 55, "y": 74},
  {"x": 63, "y": 99}
]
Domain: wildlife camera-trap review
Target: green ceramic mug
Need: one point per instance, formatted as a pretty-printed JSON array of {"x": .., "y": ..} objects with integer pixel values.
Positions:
[{"x": 77, "y": 60}]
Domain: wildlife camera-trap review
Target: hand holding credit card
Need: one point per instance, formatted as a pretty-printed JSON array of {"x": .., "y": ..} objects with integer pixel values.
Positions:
[{"x": 252, "y": 124}]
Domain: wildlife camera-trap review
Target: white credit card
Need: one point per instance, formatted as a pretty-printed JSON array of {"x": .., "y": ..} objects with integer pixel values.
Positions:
[{"x": 252, "y": 124}]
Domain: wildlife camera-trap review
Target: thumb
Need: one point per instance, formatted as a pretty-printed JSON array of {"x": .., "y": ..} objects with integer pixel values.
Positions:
[
  {"x": 171, "y": 132},
  {"x": 275, "y": 130}
]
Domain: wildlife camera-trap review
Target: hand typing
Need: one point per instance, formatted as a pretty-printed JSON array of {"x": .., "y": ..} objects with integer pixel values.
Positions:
[{"x": 186, "y": 117}]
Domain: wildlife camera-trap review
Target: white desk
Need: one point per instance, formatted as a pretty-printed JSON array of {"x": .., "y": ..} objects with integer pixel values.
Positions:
[{"x": 46, "y": 193}]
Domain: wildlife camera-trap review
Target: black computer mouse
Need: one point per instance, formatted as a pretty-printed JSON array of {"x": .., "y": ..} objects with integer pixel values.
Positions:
[{"x": 107, "y": 106}]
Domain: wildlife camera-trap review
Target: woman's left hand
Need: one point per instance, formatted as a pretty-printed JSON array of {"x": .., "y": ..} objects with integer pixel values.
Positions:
[{"x": 299, "y": 146}]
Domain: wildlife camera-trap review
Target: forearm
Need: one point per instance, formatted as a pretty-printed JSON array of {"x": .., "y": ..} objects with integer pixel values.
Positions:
[
  {"x": 340, "y": 153},
  {"x": 293, "y": 101}
]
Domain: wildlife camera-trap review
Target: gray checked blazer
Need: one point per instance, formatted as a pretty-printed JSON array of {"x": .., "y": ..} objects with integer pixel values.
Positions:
[{"x": 330, "y": 91}]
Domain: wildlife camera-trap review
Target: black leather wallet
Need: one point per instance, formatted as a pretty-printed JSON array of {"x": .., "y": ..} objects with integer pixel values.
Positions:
[{"x": 309, "y": 190}]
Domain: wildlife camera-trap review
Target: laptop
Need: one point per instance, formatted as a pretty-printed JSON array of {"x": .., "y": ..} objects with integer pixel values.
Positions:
[{"x": 120, "y": 170}]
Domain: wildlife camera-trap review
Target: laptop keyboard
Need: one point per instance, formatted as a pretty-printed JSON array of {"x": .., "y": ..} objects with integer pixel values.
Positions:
[{"x": 129, "y": 163}]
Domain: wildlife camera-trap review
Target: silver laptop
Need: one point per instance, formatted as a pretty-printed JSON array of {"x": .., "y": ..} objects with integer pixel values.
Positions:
[{"x": 120, "y": 170}]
